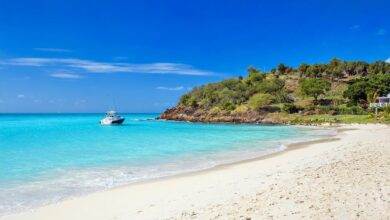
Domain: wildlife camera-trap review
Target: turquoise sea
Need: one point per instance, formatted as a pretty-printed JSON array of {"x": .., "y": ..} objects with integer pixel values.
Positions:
[{"x": 45, "y": 158}]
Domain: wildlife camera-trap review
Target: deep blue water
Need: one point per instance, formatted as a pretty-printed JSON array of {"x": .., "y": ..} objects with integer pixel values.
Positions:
[{"x": 45, "y": 158}]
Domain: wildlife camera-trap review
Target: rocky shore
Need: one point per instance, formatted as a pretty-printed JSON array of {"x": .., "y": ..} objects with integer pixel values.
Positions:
[
  {"x": 265, "y": 117},
  {"x": 184, "y": 113}
]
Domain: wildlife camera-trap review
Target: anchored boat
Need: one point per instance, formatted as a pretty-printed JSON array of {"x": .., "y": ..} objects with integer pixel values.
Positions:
[{"x": 112, "y": 119}]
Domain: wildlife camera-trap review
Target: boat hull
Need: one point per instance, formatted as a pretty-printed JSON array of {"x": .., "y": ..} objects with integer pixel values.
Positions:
[
  {"x": 112, "y": 122},
  {"x": 118, "y": 122}
]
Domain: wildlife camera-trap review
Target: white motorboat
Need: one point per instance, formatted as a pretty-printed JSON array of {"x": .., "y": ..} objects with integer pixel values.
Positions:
[{"x": 112, "y": 119}]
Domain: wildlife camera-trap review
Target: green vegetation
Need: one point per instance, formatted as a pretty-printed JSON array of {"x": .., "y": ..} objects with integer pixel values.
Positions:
[
  {"x": 260, "y": 100},
  {"x": 367, "y": 89},
  {"x": 336, "y": 90},
  {"x": 314, "y": 87},
  {"x": 330, "y": 119}
]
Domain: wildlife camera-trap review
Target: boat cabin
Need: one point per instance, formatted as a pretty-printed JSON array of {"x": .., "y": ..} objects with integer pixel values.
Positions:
[{"x": 111, "y": 114}]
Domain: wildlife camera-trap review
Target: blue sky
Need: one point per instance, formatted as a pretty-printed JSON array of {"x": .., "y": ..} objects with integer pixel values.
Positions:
[{"x": 79, "y": 56}]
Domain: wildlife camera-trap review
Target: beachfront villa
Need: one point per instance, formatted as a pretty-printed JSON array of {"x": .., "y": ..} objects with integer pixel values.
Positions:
[{"x": 382, "y": 101}]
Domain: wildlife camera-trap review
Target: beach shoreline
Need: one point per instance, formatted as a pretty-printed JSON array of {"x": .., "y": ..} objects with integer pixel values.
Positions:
[{"x": 155, "y": 199}]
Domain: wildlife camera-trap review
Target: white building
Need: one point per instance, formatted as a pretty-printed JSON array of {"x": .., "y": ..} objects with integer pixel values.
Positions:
[{"x": 382, "y": 101}]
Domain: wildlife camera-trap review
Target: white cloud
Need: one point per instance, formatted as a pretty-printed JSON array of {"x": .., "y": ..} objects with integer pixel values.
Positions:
[
  {"x": 178, "y": 88},
  {"x": 66, "y": 76},
  {"x": 354, "y": 27},
  {"x": 20, "y": 96},
  {"x": 108, "y": 67},
  {"x": 381, "y": 32},
  {"x": 53, "y": 50},
  {"x": 388, "y": 60}
]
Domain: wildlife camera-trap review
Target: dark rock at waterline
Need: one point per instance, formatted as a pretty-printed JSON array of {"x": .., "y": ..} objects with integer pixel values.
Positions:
[{"x": 191, "y": 114}]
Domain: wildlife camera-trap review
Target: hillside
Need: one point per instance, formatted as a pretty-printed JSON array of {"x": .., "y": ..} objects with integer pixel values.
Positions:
[{"x": 291, "y": 95}]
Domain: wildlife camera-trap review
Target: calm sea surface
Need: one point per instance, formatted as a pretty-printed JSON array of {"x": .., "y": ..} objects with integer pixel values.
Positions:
[{"x": 45, "y": 158}]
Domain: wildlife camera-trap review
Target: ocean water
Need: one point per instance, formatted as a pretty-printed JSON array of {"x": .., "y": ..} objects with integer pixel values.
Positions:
[{"x": 46, "y": 158}]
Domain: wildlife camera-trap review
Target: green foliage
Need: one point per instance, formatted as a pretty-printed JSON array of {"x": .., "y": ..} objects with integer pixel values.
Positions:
[
  {"x": 254, "y": 76},
  {"x": 290, "y": 108},
  {"x": 368, "y": 88},
  {"x": 385, "y": 109},
  {"x": 353, "y": 110},
  {"x": 283, "y": 97},
  {"x": 281, "y": 68},
  {"x": 215, "y": 110},
  {"x": 335, "y": 68},
  {"x": 260, "y": 100},
  {"x": 303, "y": 69},
  {"x": 379, "y": 67},
  {"x": 352, "y": 83},
  {"x": 336, "y": 110},
  {"x": 314, "y": 87},
  {"x": 316, "y": 70},
  {"x": 273, "y": 86},
  {"x": 241, "y": 109},
  {"x": 188, "y": 100}
]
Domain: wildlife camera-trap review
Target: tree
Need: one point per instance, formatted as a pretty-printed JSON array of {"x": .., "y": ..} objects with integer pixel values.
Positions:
[
  {"x": 356, "y": 92},
  {"x": 361, "y": 68},
  {"x": 314, "y": 87},
  {"x": 272, "y": 86},
  {"x": 316, "y": 70},
  {"x": 260, "y": 100},
  {"x": 378, "y": 67},
  {"x": 282, "y": 68},
  {"x": 188, "y": 100},
  {"x": 335, "y": 68},
  {"x": 303, "y": 69},
  {"x": 254, "y": 75},
  {"x": 289, "y": 70},
  {"x": 368, "y": 88},
  {"x": 252, "y": 69},
  {"x": 372, "y": 96},
  {"x": 291, "y": 108}
]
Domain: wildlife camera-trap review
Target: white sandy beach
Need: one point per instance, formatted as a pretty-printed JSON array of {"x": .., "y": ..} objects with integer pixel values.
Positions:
[{"x": 344, "y": 178}]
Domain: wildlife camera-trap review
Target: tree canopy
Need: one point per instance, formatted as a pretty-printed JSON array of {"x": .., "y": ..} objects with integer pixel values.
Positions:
[
  {"x": 314, "y": 87},
  {"x": 356, "y": 82}
]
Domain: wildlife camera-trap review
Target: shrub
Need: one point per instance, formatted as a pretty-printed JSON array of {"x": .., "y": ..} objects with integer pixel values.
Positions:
[
  {"x": 353, "y": 110},
  {"x": 314, "y": 87},
  {"x": 283, "y": 97},
  {"x": 241, "y": 109},
  {"x": 260, "y": 100},
  {"x": 291, "y": 108},
  {"x": 349, "y": 110},
  {"x": 229, "y": 106},
  {"x": 215, "y": 111},
  {"x": 188, "y": 100},
  {"x": 386, "y": 109},
  {"x": 339, "y": 110}
]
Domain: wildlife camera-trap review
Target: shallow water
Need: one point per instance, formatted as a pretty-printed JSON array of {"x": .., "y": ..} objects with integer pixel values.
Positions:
[{"x": 45, "y": 158}]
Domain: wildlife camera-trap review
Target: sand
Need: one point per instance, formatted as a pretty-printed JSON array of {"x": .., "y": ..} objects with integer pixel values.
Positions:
[{"x": 347, "y": 177}]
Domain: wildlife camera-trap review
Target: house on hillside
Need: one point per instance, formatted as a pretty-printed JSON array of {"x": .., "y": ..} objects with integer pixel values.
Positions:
[{"x": 382, "y": 101}]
